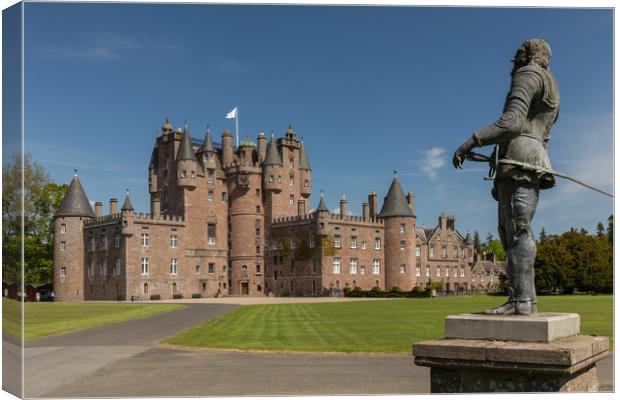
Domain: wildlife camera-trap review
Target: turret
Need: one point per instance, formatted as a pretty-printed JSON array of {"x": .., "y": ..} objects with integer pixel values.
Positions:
[
  {"x": 246, "y": 151},
  {"x": 127, "y": 216},
  {"x": 469, "y": 244},
  {"x": 262, "y": 147},
  {"x": 305, "y": 175},
  {"x": 187, "y": 164},
  {"x": 322, "y": 215},
  {"x": 167, "y": 128},
  {"x": 399, "y": 222},
  {"x": 272, "y": 168},
  {"x": 227, "y": 148},
  {"x": 208, "y": 152},
  {"x": 290, "y": 133},
  {"x": 153, "y": 170},
  {"x": 69, "y": 242},
  {"x": 113, "y": 206},
  {"x": 98, "y": 209}
]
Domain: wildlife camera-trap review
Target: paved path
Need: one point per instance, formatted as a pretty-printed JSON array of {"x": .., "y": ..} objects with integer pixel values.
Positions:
[{"x": 124, "y": 360}]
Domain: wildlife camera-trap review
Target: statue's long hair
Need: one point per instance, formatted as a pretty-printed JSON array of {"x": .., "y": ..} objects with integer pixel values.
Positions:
[{"x": 533, "y": 51}]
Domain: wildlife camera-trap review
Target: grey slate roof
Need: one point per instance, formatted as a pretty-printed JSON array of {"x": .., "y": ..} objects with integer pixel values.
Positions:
[
  {"x": 322, "y": 206},
  {"x": 185, "y": 149},
  {"x": 395, "y": 204},
  {"x": 303, "y": 158},
  {"x": 468, "y": 239},
  {"x": 127, "y": 204},
  {"x": 208, "y": 144},
  {"x": 273, "y": 155},
  {"x": 75, "y": 203}
]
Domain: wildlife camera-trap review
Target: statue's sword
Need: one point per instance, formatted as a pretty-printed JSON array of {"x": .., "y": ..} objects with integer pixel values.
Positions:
[{"x": 471, "y": 156}]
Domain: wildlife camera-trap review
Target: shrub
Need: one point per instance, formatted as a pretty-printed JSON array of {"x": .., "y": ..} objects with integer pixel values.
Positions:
[
  {"x": 375, "y": 292},
  {"x": 177, "y": 296},
  {"x": 196, "y": 295},
  {"x": 155, "y": 297}
]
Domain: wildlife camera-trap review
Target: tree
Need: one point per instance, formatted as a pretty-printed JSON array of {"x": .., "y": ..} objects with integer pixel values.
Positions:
[
  {"x": 41, "y": 198},
  {"x": 600, "y": 230},
  {"x": 477, "y": 242},
  {"x": 610, "y": 229},
  {"x": 543, "y": 235},
  {"x": 495, "y": 246}
]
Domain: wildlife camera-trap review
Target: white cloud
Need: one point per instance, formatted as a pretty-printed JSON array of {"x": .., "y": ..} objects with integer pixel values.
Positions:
[{"x": 434, "y": 159}]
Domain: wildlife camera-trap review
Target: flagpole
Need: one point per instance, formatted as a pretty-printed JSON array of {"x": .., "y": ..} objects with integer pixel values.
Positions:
[{"x": 237, "y": 126}]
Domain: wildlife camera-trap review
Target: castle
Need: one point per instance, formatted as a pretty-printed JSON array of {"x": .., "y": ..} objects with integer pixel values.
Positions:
[{"x": 226, "y": 221}]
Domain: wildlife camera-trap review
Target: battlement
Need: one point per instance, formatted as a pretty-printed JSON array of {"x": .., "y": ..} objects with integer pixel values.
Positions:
[
  {"x": 294, "y": 219},
  {"x": 105, "y": 219},
  {"x": 336, "y": 218},
  {"x": 357, "y": 219},
  {"x": 138, "y": 217},
  {"x": 255, "y": 167}
]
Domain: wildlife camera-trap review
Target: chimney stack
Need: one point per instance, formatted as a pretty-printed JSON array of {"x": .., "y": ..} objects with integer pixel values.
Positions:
[
  {"x": 98, "y": 209},
  {"x": 372, "y": 204},
  {"x": 113, "y": 206},
  {"x": 343, "y": 206},
  {"x": 365, "y": 211}
]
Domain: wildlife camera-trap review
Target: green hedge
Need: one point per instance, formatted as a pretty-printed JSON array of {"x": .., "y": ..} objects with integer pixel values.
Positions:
[{"x": 394, "y": 292}]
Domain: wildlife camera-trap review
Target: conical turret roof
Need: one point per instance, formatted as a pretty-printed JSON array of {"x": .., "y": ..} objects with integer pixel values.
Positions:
[
  {"x": 127, "y": 204},
  {"x": 303, "y": 158},
  {"x": 185, "y": 149},
  {"x": 207, "y": 146},
  {"x": 273, "y": 155},
  {"x": 395, "y": 204},
  {"x": 469, "y": 239},
  {"x": 322, "y": 206},
  {"x": 75, "y": 203}
]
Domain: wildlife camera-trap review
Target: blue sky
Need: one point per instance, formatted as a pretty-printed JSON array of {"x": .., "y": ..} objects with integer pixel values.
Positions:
[{"x": 370, "y": 89}]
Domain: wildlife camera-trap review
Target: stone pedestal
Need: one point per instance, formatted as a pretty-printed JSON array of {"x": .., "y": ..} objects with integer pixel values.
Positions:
[{"x": 541, "y": 353}]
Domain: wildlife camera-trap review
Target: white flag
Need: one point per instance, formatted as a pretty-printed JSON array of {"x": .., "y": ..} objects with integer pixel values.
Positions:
[{"x": 232, "y": 114}]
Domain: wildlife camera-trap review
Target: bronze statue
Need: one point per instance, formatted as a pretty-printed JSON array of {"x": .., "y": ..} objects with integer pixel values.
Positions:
[{"x": 520, "y": 166}]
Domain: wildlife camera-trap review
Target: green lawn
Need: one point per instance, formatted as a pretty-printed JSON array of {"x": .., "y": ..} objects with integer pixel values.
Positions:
[
  {"x": 389, "y": 326},
  {"x": 43, "y": 319}
]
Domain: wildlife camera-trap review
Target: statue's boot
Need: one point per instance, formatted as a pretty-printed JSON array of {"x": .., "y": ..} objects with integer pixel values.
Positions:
[
  {"x": 508, "y": 308},
  {"x": 524, "y": 307}
]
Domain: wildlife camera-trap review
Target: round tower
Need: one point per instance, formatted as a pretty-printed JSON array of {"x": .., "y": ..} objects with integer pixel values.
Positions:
[
  {"x": 69, "y": 243},
  {"x": 227, "y": 148},
  {"x": 399, "y": 246},
  {"x": 305, "y": 173},
  {"x": 127, "y": 216},
  {"x": 187, "y": 164},
  {"x": 272, "y": 168},
  {"x": 247, "y": 150}
]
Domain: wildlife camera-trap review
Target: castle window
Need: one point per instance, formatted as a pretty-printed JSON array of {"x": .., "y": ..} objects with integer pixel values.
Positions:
[
  {"x": 377, "y": 243},
  {"x": 104, "y": 268},
  {"x": 193, "y": 174},
  {"x": 291, "y": 180},
  {"x": 63, "y": 228},
  {"x": 210, "y": 177},
  {"x": 354, "y": 242},
  {"x": 353, "y": 266},
  {"x": 449, "y": 238},
  {"x": 291, "y": 199},
  {"x": 257, "y": 192},
  {"x": 291, "y": 163},
  {"x": 145, "y": 265},
  {"x": 446, "y": 271},
  {"x": 91, "y": 243},
  {"x": 204, "y": 285},
  {"x": 258, "y": 250},
  {"x": 456, "y": 272},
  {"x": 456, "y": 252},
  {"x": 197, "y": 269},
  {"x": 224, "y": 197},
  {"x": 376, "y": 266},
  {"x": 279, "y": 179},
  {"x": 403, "y": 268},
  {"x": 462, "y": 272},
  {"x": 336, "y": 265},
  {"x": 91, "y": 269},
  {"x": 363, "y": 270},
  {"x": 173, "y": 266},
  {"x": 337, "y": 241},
  {"x": 431, "y": 251},
  {"x": 211, "y": 233},
  {"x": 402, "y": 228},
  {"x": 257, "y": 209},
  {"x": 174, "y": 287},
  {"x": 444, "y": 252},
  {"x": 315, "y": 265},
  {"x": 117, "y": 240},
  {"x": 306, "y": 183},
  {"x": 270, "y": 179},
  {"x": 183, "y": 174},
  {"x": 211, "y": 268},
  {"x": 438, "y": 271},
  {"x": 418, "y": 251},
  {"x": 173, "y": 241},
  {"x": 63, "y": 272},
  {"x": 257, "y": 232},
  {"x": 311, "y": 241},
  {"x": 144, "y": 239},
  {"x": 258, "y": 269},
  {"x": 428, "y": 270},
  {"x": 210, "y": 195},
  {"x": 117, "y": 266},
  {"x": 275, "y": 275},
  {"x": 402, "y": 245},
  {"x": 146, "y": 288},
  {"x": 63, "y": 246},
  {"x": 103, "y": 240},
  {"x": 363, "y": 245}
]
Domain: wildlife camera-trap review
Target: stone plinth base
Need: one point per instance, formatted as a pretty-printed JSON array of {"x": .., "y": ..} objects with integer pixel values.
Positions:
[
  {"x": 543, "y": 327},
  {"x": 475, "y": 365}
]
